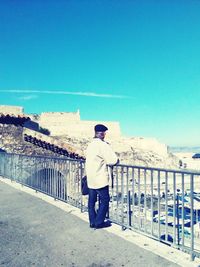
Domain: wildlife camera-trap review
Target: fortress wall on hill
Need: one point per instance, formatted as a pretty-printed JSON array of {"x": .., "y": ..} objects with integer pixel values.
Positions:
[
  {"x": 17, "y": 110},
  {"x": 59, "y": 123},
  {"x": 66, "y": 123},
  {"x": 59, "y": 117}
]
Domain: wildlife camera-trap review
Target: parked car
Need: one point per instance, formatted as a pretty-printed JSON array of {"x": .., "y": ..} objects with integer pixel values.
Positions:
[{"x": 196, "y": 156}]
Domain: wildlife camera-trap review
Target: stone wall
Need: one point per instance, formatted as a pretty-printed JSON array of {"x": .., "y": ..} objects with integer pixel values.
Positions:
[
  {"x": 65, "y": 123},
  {"x": 68, "y": 123},
  {"x": 17, "y": 110},
  {"x": 56, "y": 118}
]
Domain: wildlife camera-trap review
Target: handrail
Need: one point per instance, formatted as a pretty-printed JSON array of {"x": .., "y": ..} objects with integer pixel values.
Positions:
[{"x": 159, "y": 203}]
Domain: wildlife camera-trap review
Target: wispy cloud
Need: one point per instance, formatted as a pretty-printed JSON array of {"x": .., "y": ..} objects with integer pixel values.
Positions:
[
  {"x": 28, "y": 97},
  {"x": 87, "y": 94}
]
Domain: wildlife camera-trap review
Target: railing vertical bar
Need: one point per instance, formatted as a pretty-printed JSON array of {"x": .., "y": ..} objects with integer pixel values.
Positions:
[
  {"x": 10, "y": 171},
  {"x": 30, "y": 173},
  {"x": 61, "y": 189},
  {"x": 159, "y": 208},
  {"x": 77, "y": 179},
  {"x": 133, "y": 197},
  {"x": 192, "y": 217},
  {"x": 56, "y": 177},
  {"x": 67, "y": 179},
  {"x": 166, "y": 206},
  {"x": 77, "y": 182},
  {"x": 43, "y": 177},
  {"x": 13, "y": 168},
  {"x": 174, "y": 208},
  {"x": 45, "y": 174},
  {"x": 74, "y": 183},
  {"x": 4, "y": 165},
  {"x": 152, "y": 207},
  {"x": 35, "y": 175},
  {"x": 122, "y": 197},
  {"x": 183, "y": 208},
  {"x": 145, "y": 200},
  {"x": 117, "y": 193},
  {"x": 64, "y": 182},
  {"x": 48, "y": 177},
  {"x": 139, "y": 201},
  {"x": 71, "y": 181},
  {"x": 127, "y": 198},
  {"x": 59, "y": 182},
  {"x": 112, "y": 192},
  {"x": 50, "y": 173},
  {"x": 68, "y": 182},
  {"x": 81, "y": 176}
]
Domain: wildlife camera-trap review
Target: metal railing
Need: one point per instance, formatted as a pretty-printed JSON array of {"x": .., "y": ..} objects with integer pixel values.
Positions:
[{"x": 162, "y": 204}]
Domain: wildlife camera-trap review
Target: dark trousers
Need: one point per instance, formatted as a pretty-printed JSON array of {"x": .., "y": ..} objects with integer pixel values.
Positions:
[{"x": 98, "y": 217}]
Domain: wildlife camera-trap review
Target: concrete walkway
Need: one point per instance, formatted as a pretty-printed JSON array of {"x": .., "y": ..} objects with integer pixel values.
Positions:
[{"x": 36, "y": 233}]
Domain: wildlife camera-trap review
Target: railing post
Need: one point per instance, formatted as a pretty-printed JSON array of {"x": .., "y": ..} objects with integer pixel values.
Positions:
[
  {"x": 159, "y": 206},
  {"x": 177, "y": 210},
  {"x": 81, "y": 176},
  {"x": 129, "y": 206},
  {"x": 122, "y": 198},
  {"x": 152, "y": 206},
  {"x": 192, "y": 216},
  {"x": 174, "y": 208}
]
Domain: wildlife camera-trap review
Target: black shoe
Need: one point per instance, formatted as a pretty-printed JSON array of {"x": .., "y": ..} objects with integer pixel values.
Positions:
[
  {"x": 103, "y": 225},
  {"x": 108, "y": 221},
  {"x": 92, "y": 225}
]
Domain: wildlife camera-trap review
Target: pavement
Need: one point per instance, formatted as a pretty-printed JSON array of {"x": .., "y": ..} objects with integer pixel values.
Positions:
[{"x": 36, "y": 230}]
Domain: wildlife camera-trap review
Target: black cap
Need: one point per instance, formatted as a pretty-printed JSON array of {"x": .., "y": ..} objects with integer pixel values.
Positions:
[{"x": 100, "y": 128}]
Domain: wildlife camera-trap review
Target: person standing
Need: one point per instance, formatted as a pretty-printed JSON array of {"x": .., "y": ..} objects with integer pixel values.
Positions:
[{"x": 98, "y": 155}]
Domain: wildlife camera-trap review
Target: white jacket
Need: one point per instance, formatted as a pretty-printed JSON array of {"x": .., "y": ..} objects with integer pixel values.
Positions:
[{"x": 98, "y": 155}]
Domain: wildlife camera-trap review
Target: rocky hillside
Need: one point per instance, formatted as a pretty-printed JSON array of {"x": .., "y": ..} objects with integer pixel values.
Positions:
[{"x": 133, "y": 151}]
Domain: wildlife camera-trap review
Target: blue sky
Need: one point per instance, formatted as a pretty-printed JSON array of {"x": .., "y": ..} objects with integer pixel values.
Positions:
[{"x": 136, "y": 62}]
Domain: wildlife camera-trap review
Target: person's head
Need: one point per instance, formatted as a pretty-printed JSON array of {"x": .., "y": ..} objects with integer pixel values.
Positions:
[{"x": 100, "y": 131}]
